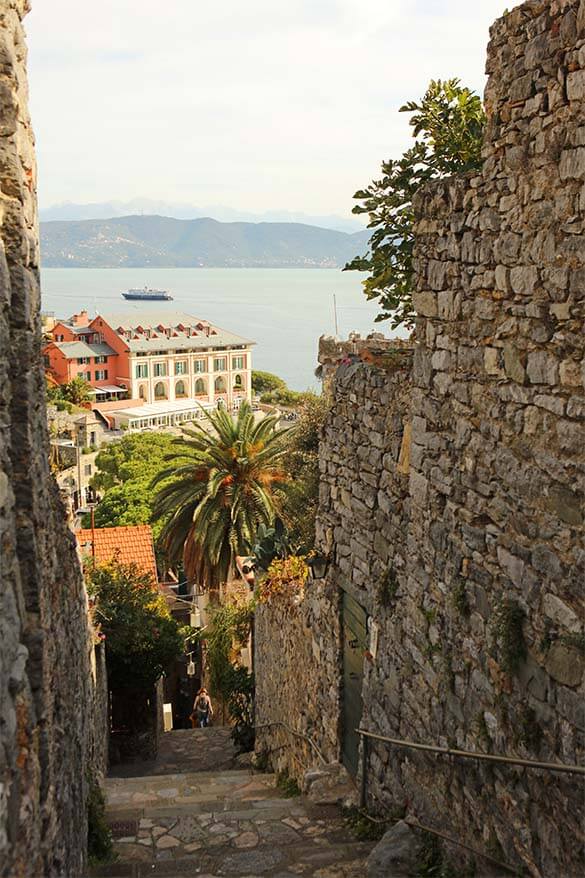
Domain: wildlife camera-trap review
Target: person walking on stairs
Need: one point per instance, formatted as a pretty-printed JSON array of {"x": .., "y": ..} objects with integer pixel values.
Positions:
[{"x": 202, "y": 709}]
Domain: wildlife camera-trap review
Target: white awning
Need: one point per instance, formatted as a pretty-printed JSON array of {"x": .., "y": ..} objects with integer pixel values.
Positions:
[{"x": 108, "y": 388}]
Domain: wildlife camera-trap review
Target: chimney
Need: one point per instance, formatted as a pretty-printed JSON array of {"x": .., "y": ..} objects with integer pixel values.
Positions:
[{"x": 81, "y": 319}]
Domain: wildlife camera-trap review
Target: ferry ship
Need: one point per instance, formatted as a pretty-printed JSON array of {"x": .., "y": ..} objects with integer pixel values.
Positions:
[{"x": 148, "y": 295}]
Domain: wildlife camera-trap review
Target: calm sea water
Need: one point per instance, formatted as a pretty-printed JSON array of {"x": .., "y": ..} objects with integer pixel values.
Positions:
[{"x": 283, "y": 310}]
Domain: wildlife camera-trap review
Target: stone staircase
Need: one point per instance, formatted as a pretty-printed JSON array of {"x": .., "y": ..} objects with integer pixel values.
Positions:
[{"x": 231, "y": 822}]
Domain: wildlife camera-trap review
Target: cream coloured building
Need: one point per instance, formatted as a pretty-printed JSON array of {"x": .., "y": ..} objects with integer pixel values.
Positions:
[{"x": 169, "y": 356}]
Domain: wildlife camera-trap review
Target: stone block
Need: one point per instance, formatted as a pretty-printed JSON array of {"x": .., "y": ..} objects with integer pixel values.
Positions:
[
  {"x": 576, "y": 85},
  {"x": 397, "y": 854},
  {"x": 329, "y": 785},
  {"x": 513, "y": 363},
  {"x": 572, "y": 165},
  {"x": 542, "y": 368},
  {"x": 571, "y": 373},
  {"x": 523, "y": 279},
  {"x": 565, "y": 664},
  {"x": 560, "y": 613},
  {"x": 425, "y": 304},
  {"x": 491, "y": 361},
  {"x": 502, "y": 278}
]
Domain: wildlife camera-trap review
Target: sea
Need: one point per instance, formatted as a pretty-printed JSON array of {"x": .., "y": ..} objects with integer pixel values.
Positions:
[{"x": 283, "y": 310}]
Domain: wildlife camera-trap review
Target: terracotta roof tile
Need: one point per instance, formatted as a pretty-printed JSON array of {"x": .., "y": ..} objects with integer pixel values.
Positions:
[{"x": 125, "y": 544}]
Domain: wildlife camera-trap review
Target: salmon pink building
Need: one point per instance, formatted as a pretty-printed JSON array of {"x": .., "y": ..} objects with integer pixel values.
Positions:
[{"x": 168, "y": 361}]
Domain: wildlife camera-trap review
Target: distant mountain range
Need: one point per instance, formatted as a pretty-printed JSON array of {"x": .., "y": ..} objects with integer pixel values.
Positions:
[
  {"x": 67, "y": 210},
  {"x": 159, "y": 241}
]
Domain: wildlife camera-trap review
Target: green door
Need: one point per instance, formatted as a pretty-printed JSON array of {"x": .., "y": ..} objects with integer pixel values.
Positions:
[{"x": 354, "y": 644}]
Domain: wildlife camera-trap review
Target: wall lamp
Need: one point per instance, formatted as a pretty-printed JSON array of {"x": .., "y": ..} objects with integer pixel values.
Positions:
[{"x": 318, "y": 565}]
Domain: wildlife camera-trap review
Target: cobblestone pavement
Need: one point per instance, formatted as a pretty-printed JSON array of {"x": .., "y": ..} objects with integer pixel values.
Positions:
[
  {"x": 224, "y": 823},
  {"x": 185, "y": 750}
]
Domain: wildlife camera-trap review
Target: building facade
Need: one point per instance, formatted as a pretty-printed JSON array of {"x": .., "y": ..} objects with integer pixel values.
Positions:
[{"x": 155, "y": 356}]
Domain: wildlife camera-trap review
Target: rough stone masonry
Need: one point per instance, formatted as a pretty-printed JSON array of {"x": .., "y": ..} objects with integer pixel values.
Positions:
[
  {"x": 454, "y": 509},
  {"x": 44, "y": 646}
]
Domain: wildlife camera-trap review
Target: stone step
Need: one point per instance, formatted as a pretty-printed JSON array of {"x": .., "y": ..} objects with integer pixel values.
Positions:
[
  {"x": 342, "y": 860},
  {"x": 195, "y": 793}
]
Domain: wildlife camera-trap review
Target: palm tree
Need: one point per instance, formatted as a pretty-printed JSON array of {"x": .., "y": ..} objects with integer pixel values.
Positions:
[
  {"x": 78, "y": 390},
  {"x": 222, "y": 488}
]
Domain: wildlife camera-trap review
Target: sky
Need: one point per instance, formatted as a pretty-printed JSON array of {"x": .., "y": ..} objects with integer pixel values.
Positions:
[{"x": 255, "y": 105}]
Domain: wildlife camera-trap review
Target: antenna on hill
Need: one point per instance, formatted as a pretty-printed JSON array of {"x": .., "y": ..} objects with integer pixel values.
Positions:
[{"x": 335, "y": 315}]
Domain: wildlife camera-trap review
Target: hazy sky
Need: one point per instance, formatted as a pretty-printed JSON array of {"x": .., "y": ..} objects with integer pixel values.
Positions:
[{"x": 257, "y": 105}]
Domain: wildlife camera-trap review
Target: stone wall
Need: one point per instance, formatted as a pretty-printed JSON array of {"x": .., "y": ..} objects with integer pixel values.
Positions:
[
  {"x": 297, "y": 652},
  {"x": 44, "y": 650},
  {"x": 296, "y": 644},
  {"x": 452, "y": 499}
]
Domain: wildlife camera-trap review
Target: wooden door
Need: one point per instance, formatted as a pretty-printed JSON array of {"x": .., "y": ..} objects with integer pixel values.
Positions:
[{"x": 354, "y": 644}]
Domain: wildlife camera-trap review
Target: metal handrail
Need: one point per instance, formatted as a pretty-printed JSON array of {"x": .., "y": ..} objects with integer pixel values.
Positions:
[
  {"x": 470, "y": 754},
  {"x": 297, "y": 734},
  {"x": 464, "y": 754}
]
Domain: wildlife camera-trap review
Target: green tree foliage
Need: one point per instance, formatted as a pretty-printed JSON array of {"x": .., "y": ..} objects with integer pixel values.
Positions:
[
  {"x": 301, "y": 461},
  {"x": 234, "y": 684},
  {"x": 220, "y": 488},
  {"x": 125, "y": 470},
  {"x": 77, "y": 391},
  {"x": 274, "y": 391},
  {"x": 285, "y": 397},
  {"x": 262, "y": 382},
  {"x": 448, "y": 124},
  {"x": 142, "y": 638}
]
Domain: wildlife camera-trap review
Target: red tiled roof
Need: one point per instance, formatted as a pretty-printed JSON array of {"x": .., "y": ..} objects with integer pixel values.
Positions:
[{"x": 125, "y": 544}]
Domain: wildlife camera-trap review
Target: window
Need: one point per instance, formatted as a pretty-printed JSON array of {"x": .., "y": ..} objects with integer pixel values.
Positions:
[
  {"x": 86, "y": 376},
  {"x": 200, "y": 366},
  {"x": 238, "y": 383},
  {"x": 142, "y": 392},
  {"x": 83, "y": 361},
  {"x": 142, "y": 370},
  {"x": 101, "y": 374},
  {"x": 238, "y": 363},
  {"x": 200, "y": 387},
  {"x": 220, "y": 364},
  {"x": 60, "y": 337},
  {"x": 181, "y": 367},
  {"x": 160, "y": 370},
  {"x": 101, "y": 360},
  {"x": 160, "y": 391},
  {"x": 180, "y": 390},
  {"x": 220, "y": 385},
  {"x": 88, "y": 469}
]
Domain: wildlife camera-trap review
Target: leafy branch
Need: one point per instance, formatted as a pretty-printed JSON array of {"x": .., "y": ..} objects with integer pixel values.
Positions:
[{"x": 449, "y": 120}]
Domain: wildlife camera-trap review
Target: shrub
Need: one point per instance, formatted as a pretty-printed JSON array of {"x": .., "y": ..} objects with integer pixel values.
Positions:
[
  {"x": 284, "y": 580},
  {"x": 508, "y": 626},
  {"x": 99, "y": 836},
  {"x": 142, "y": 638}
]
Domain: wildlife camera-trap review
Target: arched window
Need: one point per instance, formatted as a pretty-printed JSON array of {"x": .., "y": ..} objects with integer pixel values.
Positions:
[
  {"x": 200, "y": 387},
  {"x": 160, "y": 390},
  {"x": 180, "y": 390},
  {"x": 142, "y": 392},
  {"x": 220, "y": 385},
  {"x": 238, "y": 382}
]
